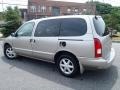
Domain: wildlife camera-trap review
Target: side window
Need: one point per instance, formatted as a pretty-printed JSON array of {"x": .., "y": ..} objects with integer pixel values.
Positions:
[
  {"x": 26, "y": 29},
  {"x": 47, "y": 28},
  {"x": 73, "y": 27}
]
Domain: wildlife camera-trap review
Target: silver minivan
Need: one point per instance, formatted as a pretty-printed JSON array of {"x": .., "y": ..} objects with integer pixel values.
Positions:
[{"x": 74, "y": 43}]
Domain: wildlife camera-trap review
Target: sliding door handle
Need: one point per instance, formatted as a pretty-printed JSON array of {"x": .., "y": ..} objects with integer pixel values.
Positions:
[{"x": 31, "y": 40}]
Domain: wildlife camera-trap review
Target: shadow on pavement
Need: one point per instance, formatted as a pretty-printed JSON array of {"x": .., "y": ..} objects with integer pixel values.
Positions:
[{"x": 90, "y": 80}]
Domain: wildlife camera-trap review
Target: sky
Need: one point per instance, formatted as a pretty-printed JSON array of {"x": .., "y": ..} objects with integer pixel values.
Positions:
[{"x": 23, "y": 3}]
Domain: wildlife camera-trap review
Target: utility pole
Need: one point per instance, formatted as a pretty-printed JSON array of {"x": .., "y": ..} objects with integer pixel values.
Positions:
[
  {"x": 2, "y": 10},
  {"x": 91, "y": 6},
  {"x": 2, "y": 6}
]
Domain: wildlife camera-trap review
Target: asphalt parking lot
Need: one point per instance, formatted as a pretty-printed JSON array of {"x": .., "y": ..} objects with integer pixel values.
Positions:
[{"x": 29, "y": 74}]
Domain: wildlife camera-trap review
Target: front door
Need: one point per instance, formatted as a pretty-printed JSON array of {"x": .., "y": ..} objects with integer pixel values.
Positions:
[
  {"x": 46, "y": 39},
  {"x": 22, "y": 41},
  {"x": 55, "y": 11}
]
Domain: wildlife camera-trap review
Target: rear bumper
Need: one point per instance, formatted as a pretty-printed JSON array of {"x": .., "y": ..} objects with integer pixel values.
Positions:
[{"x": 99, "y": 63}]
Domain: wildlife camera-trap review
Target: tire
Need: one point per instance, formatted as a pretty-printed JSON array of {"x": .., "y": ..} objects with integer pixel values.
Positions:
[
  {"x": 9, "y": 52},
  {"x": 67, "y": 65}
]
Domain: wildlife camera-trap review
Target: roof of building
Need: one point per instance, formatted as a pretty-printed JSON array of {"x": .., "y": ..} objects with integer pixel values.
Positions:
[
  {"x": 59, "y": 3},
  {"x": 60, "y": 17}
]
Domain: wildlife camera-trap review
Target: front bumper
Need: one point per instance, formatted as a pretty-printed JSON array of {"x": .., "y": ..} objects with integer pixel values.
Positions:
[{"x": 99, "y": 63}]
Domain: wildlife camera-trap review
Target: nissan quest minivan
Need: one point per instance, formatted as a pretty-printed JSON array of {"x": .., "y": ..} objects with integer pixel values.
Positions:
[{"x": 74, "y": 43}]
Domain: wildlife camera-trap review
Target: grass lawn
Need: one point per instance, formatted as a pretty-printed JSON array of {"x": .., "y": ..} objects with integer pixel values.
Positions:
[{"x": 116, "y": 37}]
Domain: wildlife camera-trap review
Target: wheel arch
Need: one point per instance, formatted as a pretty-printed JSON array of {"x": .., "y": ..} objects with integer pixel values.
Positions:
[
  {"x": 6, "y": 44},
  {"x": 64, "y": 52},
  {"x": 81, "y": 68}
]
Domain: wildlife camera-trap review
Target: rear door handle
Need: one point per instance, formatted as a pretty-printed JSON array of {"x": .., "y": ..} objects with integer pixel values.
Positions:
[{"x": 32, "y": 40}]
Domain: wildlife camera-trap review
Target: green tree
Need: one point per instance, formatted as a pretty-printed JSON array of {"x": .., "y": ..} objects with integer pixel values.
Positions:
[
  {"x": 0, "y": 16},
  {"x": 116, "y": 18},
  {"x": 110, "y": 14},
  {"x": 113, "y": 18},
  {"x": 13, "y": 21},
  {"x": 103, "y": 8}
]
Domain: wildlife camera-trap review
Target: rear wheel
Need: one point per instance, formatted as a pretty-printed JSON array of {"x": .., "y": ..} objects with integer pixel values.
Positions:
[
  {"x": 67, "y": 65},
  {"x": 9, "y": 52}
]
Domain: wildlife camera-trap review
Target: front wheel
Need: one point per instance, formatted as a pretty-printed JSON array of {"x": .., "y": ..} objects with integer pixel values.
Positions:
[
  {"x": 67, "y": 65},
  {"x": 9, "y": 52}
]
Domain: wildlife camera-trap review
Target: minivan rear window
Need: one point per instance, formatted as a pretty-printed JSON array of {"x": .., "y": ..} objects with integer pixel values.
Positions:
[
  {"x": 73, "y": 27},
  {"x": 99, "y": 25}
]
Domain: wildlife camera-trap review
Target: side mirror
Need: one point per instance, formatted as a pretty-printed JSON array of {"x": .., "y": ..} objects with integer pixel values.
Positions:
[{"x": 13, "y": 34}]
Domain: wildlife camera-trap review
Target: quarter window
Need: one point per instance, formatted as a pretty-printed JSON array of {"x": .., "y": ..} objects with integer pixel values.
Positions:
[
  {"x": 47, "y": 28},
  {"x": 99, "y": 25},
  {"x": 73, "y": 27}
]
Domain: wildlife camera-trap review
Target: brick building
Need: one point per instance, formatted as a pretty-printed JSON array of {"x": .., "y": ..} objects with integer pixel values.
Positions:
[{"x": 46, "y": 8}]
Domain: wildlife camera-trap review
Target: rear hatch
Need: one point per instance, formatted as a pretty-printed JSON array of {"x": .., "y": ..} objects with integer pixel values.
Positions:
[{"x": 103, "y": 36}]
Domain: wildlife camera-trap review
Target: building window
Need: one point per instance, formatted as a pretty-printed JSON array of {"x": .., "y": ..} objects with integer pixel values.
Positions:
[
  {"x": 32, "y": 8},
  {"x": 68, "y": 10},
  {"x": 80, "y": 13},
  {"x": 43, "y": 9},
  {"x": 76, "y": 10},
  {"x": 84, "y": 10},
  {"x": 55, "y": 11},
  {"x": 50, "y": 9},
  {"x": 39, "y": 8}
]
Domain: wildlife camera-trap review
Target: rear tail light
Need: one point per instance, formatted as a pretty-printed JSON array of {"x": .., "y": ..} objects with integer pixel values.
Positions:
[{"x": 98, "y": 48}]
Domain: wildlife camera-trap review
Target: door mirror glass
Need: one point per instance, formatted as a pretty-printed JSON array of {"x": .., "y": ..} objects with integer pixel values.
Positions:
[{"x": 13, "y": 35}]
